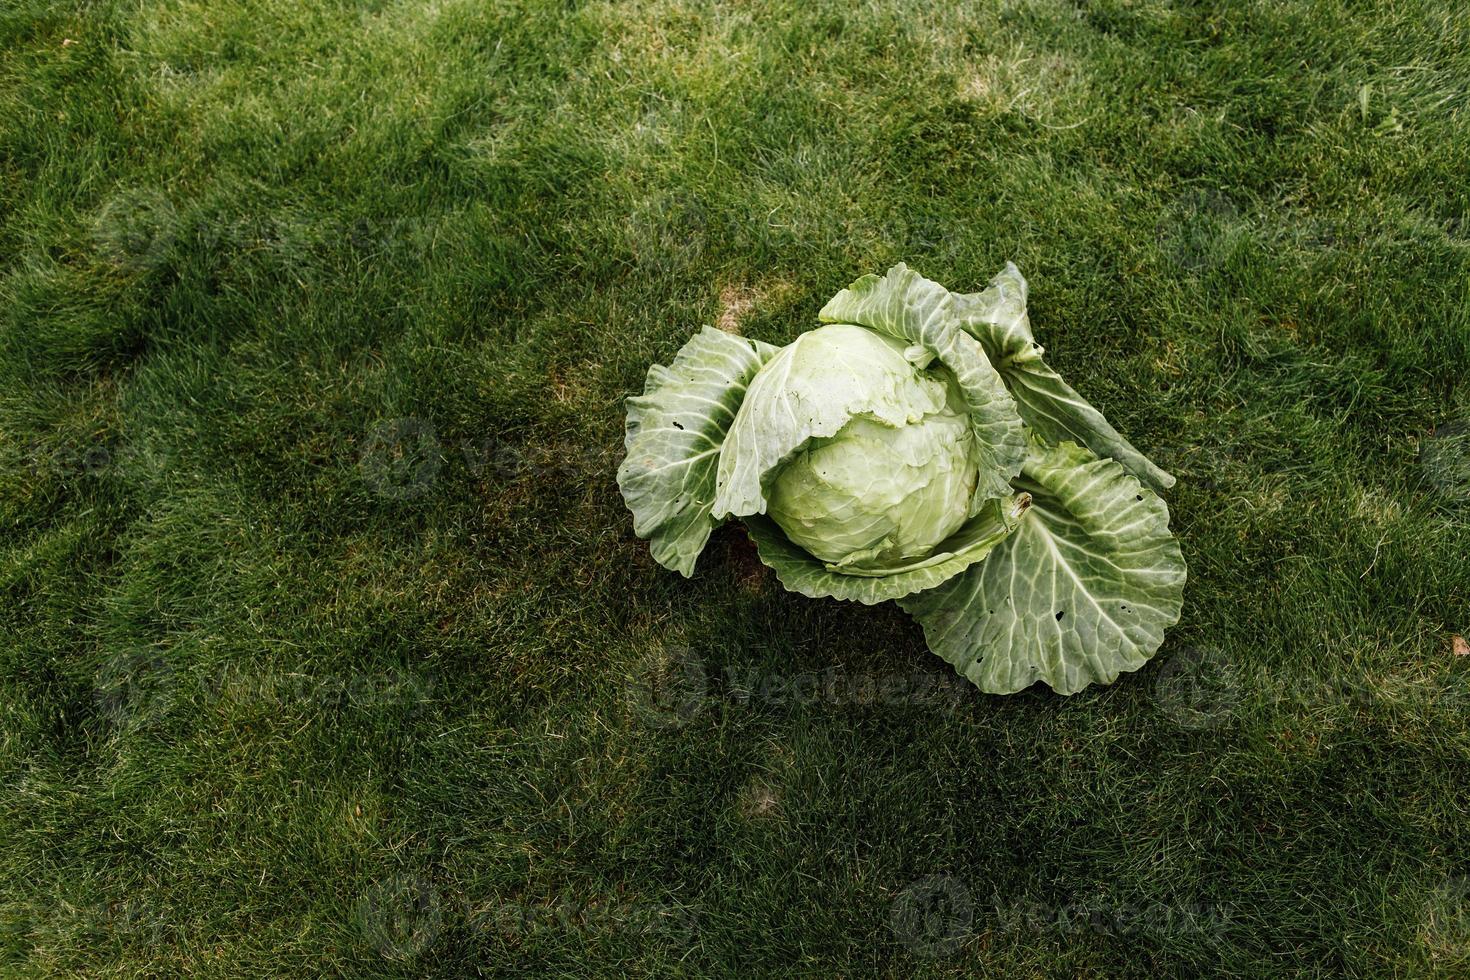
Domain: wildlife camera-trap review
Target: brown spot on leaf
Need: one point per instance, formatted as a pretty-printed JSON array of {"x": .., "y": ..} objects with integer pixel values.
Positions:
[{"x": 1460, "y": 647}]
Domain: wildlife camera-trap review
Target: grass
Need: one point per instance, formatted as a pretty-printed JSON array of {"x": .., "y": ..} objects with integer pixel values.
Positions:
[{"x": 325, "y": 643}]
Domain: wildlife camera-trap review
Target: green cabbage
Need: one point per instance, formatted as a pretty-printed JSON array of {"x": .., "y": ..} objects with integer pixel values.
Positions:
[
  {"x": 884, "y": 487},
  {"x": 917, "y": 448}
]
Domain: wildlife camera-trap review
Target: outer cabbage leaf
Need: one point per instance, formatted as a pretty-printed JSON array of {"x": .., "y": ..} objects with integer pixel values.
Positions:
[
  {"x": 674, "y": 433},
  {"x": 1082, "y": 592},
  {"x": 997, "y": 317},
  {"x": 790, "y": 403},
  {"x": 905, "y": 305},
  {"x": 800, "y": 572}
]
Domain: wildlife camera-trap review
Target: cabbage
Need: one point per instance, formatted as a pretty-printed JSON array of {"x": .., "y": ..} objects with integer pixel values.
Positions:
[
  {"x": 881, "y": 488},
  {"x": 918, "y": 448}
]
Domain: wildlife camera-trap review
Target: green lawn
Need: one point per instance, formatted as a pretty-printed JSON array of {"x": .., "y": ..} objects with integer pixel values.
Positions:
[{"x": 326, "y": 646}]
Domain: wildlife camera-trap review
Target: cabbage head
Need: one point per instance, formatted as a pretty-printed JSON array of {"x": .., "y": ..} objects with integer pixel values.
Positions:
[{"x": 916, "y": 447}]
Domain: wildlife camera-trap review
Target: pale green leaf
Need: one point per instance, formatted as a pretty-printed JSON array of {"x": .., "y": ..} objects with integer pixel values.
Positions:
[
  {"x": 674, "y": 433},
  {"x": 809, "y": 390},
  {"x": 1053, "y": 410},
  {"x": 905, "y": 305},
  {"x": 1082, "y": 592},
  {"x": 798, "y": 571}
]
